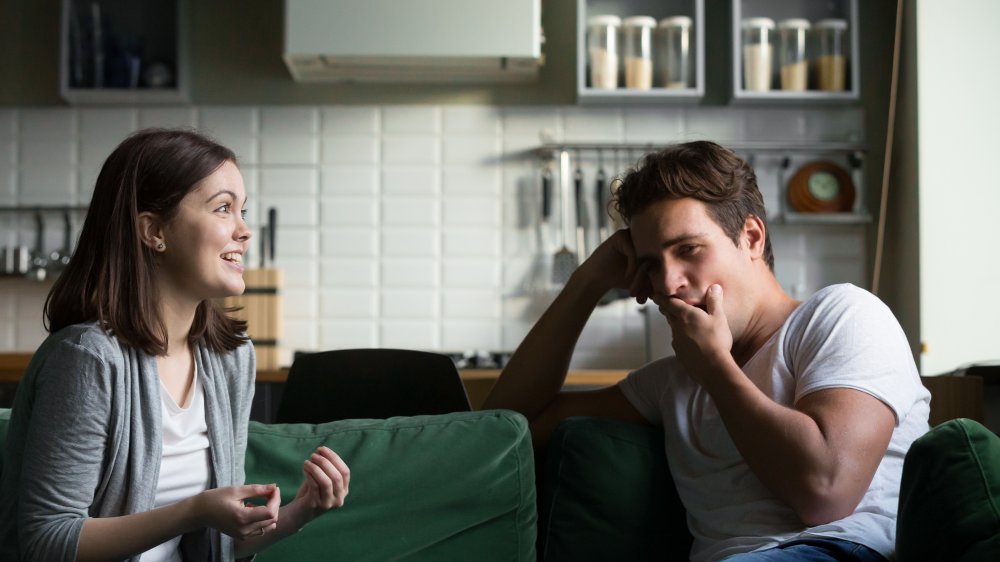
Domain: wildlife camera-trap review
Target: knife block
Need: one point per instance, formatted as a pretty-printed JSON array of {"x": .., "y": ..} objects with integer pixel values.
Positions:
[{"x": 260, "y": 306}]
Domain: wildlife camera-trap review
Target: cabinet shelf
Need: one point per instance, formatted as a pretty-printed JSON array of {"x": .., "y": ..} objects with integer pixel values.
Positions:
[
  {"x": 658, "y": 9},
  {"x": 790, "y": 217}
]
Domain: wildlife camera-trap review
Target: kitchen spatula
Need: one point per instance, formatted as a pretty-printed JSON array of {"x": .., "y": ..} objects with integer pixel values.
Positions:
[{"x": 564, "y": 261}]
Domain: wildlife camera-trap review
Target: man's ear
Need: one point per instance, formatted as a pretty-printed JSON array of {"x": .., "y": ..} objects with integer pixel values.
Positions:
[
  {"x": 755, "y": 234},
  {"x": 150, "y": 231}
]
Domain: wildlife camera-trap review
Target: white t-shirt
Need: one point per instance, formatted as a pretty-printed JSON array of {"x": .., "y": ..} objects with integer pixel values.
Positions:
[
  {"x": 841, "y": 337},
  {"x": 185, "y": 469}
]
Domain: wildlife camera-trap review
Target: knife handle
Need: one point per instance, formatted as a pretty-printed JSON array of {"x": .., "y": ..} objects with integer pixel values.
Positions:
[
  {"x": 272, "y": 223},
  {"x": 546, "y": 194}
]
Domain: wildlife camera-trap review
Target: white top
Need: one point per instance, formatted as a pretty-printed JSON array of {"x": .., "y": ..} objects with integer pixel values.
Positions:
[
  {"x": 766, "y": 23},
  {"x": 185, "y": 468},
  {"x": 794, "y": 23},
  {"x": 841, "y": 337},
  {"x": 676, "y": 21},
  {"x": 639, "y": 21}
]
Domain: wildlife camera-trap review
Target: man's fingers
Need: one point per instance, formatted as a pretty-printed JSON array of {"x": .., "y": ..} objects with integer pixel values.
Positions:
[{"x": 713, "y": 299}]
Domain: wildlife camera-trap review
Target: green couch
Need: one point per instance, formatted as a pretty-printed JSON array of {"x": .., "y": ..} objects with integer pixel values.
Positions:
[
  {"x": 452, "y": 487},
  {"x": 462, "y": 487},
  {"x": 949, "y": 509}
]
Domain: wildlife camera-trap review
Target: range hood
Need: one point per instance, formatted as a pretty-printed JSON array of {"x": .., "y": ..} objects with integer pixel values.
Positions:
[{"x": 413, "y": 40}]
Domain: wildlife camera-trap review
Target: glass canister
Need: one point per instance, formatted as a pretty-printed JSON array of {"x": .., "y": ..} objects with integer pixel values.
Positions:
[
  {"x": 757, "y": 54},
  {"x": 674, "y": 53},
  {"x": 638, "y": 47},
  {"x": 831, "y": 60},
  {"x": 792, "y": 54},
  {"x": 602, "y": 51}
]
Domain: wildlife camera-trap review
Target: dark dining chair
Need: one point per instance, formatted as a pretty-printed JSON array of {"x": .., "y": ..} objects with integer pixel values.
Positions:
[{"x": 370, "y": 383}]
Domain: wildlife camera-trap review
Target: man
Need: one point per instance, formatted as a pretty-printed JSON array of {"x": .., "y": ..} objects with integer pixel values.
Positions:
[{"x": 785, "y": 422}]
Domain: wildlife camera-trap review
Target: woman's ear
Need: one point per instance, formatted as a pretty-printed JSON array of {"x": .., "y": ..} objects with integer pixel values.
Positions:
[
  {"x": 151, "y": 231},
  {"x": 755, "y": 234}
]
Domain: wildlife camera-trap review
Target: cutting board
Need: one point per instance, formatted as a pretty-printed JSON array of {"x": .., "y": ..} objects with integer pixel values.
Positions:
[{"x": 260, "y": 306}]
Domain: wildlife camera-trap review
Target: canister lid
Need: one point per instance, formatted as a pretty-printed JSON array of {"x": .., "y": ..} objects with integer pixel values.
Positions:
[
  {"x": 794, "y": 23},
  {"x": 604, "y": 20},
  {"x": 639, "y": 21},
  {"x": 766, "y": 23},
  {"x": 676, "y": 21},
  {"x": 837, "y": 24}
]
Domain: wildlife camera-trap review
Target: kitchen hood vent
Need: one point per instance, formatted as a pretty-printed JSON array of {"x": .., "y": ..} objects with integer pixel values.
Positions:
[{"x": 471, "y": 41}]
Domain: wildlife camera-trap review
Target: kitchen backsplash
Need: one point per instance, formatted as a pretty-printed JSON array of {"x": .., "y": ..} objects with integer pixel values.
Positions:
[{"x": 412, "y": 226}]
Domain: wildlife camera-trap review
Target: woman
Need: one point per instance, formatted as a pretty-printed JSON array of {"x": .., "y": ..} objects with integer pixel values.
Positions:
[{"x": 129, "y": 428}]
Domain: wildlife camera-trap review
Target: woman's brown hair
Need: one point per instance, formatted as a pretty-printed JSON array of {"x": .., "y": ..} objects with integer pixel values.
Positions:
[
  {"x": 111, "y": 276},
  {"x": 700, "y": 170}
]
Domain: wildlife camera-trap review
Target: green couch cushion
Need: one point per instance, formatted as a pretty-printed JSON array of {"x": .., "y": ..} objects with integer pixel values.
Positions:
[
  {"x": 450, "y": 487},
  {"x": 949, "y": 502},
  {"x": 607, "y": 494}
]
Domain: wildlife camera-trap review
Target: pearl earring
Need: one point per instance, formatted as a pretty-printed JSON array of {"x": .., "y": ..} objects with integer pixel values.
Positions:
[{"x": 161, "y": 246}]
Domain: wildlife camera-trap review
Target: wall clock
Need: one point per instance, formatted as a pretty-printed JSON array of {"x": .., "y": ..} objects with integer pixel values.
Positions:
[{"x": 821, "y": 187}]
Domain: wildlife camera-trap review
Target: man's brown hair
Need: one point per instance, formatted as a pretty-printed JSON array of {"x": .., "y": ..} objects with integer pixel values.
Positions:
[
  {"x": 111, "y": 276},
  {"x": 700, "y": 170}
]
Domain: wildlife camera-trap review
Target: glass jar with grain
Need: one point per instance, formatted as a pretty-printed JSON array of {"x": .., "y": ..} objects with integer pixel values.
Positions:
[
  {"x": 638, "y": 47},
  {"x": 792, "y": 54},
  {"x": 758, "y": 54},
  {"x": 602, "y": 51},
  {"x": 674, "y": 53},
  {"x": 831, "y": 60}
]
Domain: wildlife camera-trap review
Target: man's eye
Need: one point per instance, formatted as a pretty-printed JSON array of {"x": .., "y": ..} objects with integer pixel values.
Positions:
[{"x": 687, "y": 249}]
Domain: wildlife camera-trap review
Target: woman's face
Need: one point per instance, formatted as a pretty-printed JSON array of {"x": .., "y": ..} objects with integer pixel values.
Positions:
[{"x": 206, "y": 239}]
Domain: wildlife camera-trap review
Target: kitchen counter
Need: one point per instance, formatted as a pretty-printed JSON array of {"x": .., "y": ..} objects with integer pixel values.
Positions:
[{"x": 478, "y": 382}]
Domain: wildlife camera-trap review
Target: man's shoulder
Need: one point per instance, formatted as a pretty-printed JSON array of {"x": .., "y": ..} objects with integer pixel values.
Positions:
[{"x": 834, "y": 300}]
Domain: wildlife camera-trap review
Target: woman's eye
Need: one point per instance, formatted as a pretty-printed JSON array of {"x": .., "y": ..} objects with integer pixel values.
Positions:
[
  {"x": 243, "y": 213},
  {"x": 224, "y": 208},
  {"x": 687, "y": 250}
]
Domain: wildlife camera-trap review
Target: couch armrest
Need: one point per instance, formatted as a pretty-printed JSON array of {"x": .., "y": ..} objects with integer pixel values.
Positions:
[
  {"x": 448, "y": 487},
  {"x": 949, "y": 497},
  {"x": 606, "y": 493}
]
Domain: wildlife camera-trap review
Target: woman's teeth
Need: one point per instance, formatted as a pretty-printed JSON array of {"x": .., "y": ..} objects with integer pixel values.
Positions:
[{"x": 233, "y": 257}]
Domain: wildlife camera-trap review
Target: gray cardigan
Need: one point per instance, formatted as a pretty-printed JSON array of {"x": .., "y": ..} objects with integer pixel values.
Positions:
[{"x": 85, "y": 441}]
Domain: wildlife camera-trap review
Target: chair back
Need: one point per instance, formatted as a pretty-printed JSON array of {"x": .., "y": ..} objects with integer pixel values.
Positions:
[{"x": 370, "y": 383}]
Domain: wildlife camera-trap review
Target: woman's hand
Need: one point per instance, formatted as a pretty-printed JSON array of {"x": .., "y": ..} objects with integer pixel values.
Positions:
[
  {"x": 326, "y": 484},
  {"x": 227, "y": 510}
]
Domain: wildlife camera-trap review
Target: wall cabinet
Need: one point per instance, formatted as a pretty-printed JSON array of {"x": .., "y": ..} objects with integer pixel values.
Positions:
[
  {"x": 663, "y": 88},
  {"x": 758, "y": 65},
  {"x": 123, "y": 52}
]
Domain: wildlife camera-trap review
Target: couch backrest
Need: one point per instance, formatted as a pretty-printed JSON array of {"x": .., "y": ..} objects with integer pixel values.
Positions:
[{"x": 448, "y": 487}]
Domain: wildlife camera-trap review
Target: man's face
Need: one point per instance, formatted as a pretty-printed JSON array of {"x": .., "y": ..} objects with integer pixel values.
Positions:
[{"x": 683, "y": 252}]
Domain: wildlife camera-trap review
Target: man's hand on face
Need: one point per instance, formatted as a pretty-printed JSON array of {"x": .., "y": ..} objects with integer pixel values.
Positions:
[
  {"x": 702, "y": 338},
  {"x": 613, "y": 265}
]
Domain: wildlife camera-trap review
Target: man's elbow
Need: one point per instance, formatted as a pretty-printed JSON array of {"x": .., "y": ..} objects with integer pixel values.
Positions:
[{"x": 819, "y": 507}]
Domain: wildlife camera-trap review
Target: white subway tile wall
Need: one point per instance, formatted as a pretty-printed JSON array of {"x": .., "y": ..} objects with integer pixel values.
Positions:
[{"x": 414, "y": 226}]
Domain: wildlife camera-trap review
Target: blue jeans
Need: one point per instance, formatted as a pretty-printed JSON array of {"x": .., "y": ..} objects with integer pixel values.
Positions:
[{"x": 812, "y": 550}]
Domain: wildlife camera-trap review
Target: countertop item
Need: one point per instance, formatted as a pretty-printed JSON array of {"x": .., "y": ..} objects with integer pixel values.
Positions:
[{"x": 12, "y": 366}]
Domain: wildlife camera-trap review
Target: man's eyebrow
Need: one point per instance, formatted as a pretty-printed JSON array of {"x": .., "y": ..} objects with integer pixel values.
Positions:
[{"x": 686, "y": 237}]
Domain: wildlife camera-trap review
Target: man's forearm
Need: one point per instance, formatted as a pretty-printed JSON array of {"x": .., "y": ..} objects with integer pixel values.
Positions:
[
  {"x": 820, "y": 463},
  {"x": 537, "y": 370}
]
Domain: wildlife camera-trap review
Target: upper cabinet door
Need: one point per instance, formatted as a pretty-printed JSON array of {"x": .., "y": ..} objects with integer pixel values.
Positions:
[
  {"x": 123, "y": 52},
  {"x": 413, "y": 40}
]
